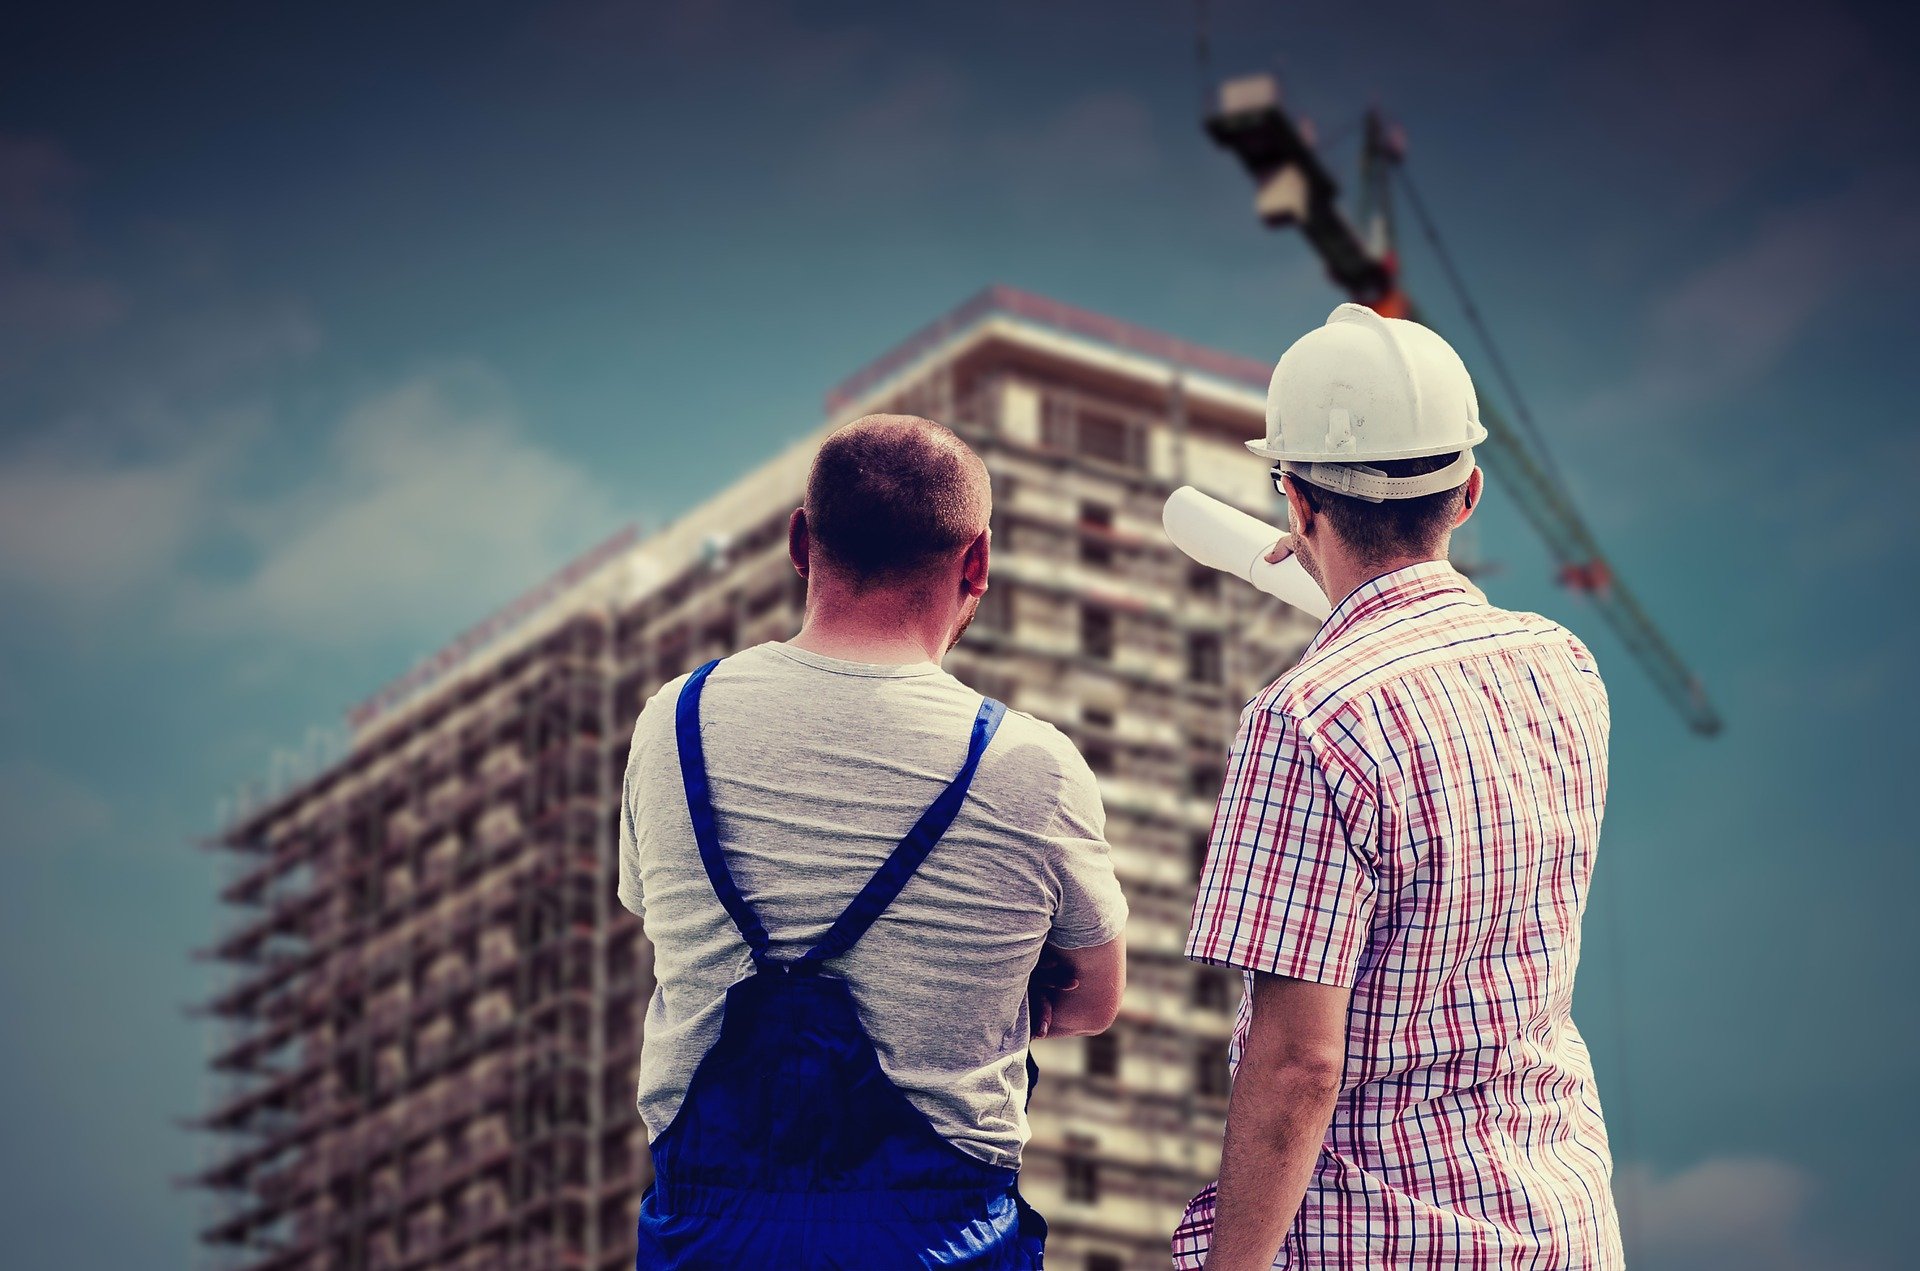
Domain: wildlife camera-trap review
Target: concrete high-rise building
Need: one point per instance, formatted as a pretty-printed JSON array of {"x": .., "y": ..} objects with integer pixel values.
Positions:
[{"x": 427, "y": 1049}]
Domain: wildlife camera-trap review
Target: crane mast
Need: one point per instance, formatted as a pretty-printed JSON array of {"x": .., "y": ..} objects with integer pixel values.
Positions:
[{"x": 1294, "y": 188}]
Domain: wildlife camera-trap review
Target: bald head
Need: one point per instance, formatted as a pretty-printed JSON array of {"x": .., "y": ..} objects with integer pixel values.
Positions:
[{"x": 891, "y": 495}]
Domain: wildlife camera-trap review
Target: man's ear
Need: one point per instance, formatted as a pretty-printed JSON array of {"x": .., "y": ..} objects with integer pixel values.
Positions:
[
  {"x": 797, "y": 544},
  {"x": 1303, "y": 514},
  {"x": 974, "y": 564},
  {"x": 1474, "y": 485}
]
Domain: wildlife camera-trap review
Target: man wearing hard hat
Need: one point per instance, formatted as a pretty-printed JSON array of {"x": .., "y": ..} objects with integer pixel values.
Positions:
[{"x": 1399, "y": 862}]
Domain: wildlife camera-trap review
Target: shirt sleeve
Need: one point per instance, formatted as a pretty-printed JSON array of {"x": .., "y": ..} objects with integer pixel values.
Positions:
[
  {"x": 1093, "y": 910},
  {"x": 1289, "y": 884},
  {"x": 631, "y": 894}
]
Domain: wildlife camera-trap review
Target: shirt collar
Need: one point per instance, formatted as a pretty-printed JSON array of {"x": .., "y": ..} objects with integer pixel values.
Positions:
[{"x": 1391, "y": 590}]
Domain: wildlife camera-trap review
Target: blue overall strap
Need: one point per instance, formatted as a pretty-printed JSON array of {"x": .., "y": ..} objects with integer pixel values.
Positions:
[
  {"x": 693, "y": 776},
  {"x": 893, "y": 875}
]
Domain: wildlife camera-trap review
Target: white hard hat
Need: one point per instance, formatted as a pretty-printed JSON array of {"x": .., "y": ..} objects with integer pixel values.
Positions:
[{"x": 1364, "y": 388}]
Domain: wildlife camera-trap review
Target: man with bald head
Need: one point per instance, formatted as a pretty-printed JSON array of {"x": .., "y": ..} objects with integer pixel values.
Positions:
[{"x": 850, "y": 867}]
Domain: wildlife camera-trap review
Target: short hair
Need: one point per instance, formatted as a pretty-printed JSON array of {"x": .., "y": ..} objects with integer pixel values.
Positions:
[
  {"x": 1392, "y": 527},
  {"x": 890, "y": 494}
]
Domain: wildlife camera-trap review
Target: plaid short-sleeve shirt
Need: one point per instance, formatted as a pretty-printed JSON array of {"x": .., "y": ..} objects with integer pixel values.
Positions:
[{"x": 1412, "y": 812}]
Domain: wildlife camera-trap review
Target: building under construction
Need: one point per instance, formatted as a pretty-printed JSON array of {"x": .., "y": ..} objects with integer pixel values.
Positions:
[{"x": 427, "y": 1043}]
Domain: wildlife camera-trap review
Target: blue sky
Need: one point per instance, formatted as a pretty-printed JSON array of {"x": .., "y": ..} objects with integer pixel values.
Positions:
[{"x": 324, "y": 332}]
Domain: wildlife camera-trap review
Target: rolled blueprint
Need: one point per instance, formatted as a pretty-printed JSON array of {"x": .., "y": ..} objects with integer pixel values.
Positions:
[{"x": 1222, "y": 536}]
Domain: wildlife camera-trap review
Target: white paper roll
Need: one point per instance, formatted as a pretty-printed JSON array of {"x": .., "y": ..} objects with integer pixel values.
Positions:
[{"x": 1223, "y": 537}]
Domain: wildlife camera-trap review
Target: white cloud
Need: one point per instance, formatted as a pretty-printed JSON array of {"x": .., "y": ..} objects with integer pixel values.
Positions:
[
  {"x": 129, "y": 405},
  {"x": 429, "y": 505},
  {"x": 80, "y": 531},
  {"x": 1731, "y": 1213},
  {"x": 433, "y": 507},
  {"x": 1725, "y": 328}
]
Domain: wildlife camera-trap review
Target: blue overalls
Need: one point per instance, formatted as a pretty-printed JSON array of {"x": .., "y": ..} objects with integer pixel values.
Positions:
[{"x": 792, "y": 1149}]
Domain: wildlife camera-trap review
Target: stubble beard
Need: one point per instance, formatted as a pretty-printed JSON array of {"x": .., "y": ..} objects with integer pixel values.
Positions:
[
  {"x": 1302, "y": 553},
  {"x": 966, "y": 620}
]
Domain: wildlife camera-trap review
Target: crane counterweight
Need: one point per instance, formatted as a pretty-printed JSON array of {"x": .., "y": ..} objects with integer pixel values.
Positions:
[{"x": 1293, "y": 187}]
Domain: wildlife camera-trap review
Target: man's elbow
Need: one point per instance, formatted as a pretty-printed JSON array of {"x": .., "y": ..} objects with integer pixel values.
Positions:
[
  {"x": 1298, "y": 1043},
  {"x": 1320, "y": 1077},
  {"x": 1097, "y": 979},
  {"x": 1087, "y": 1010},
  {"x": 1084, "y": 1019},
  {"x": 1303, "y": 1075}
]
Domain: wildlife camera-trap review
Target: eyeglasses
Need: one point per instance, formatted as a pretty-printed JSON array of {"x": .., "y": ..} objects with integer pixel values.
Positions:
[{"x": 1279, "y": 470}]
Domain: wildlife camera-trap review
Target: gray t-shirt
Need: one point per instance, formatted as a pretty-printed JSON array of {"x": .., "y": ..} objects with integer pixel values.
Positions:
[{"x": 818, "y": 768}]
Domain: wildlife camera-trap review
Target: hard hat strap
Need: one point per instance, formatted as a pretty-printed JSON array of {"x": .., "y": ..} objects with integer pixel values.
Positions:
[{"x": 1362, "y": 482}]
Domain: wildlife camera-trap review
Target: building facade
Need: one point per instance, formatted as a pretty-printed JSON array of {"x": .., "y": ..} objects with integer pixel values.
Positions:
[{"x": 427, "y": 1043}]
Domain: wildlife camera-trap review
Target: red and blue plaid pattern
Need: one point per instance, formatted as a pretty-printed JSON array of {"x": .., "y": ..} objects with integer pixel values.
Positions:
[{"x": 1412, "y": 811}]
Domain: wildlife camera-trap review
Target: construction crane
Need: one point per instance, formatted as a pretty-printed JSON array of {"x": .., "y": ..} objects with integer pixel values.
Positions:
[{"x": 1293, "y": 188}]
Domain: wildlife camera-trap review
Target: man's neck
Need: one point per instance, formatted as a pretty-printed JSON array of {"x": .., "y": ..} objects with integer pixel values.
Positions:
[
  {"x": 882, "y": 636},
  {"x": 1348, "y": 576}
]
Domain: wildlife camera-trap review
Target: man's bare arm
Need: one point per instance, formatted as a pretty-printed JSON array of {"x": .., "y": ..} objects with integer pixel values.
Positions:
[
  {"x": 1283, "y": 1097},
  {"x": 1076, "y": 992}
]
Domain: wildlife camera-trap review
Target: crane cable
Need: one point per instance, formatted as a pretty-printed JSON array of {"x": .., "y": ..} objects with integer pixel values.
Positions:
[{"x": 1478, "y": 322}]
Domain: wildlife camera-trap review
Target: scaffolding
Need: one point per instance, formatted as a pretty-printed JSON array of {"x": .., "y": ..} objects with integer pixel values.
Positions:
[{"x": 429, "y": 1043}]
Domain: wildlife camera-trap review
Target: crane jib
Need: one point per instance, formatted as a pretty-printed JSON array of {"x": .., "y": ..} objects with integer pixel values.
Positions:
[{"x": 1295, "y": 189}]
